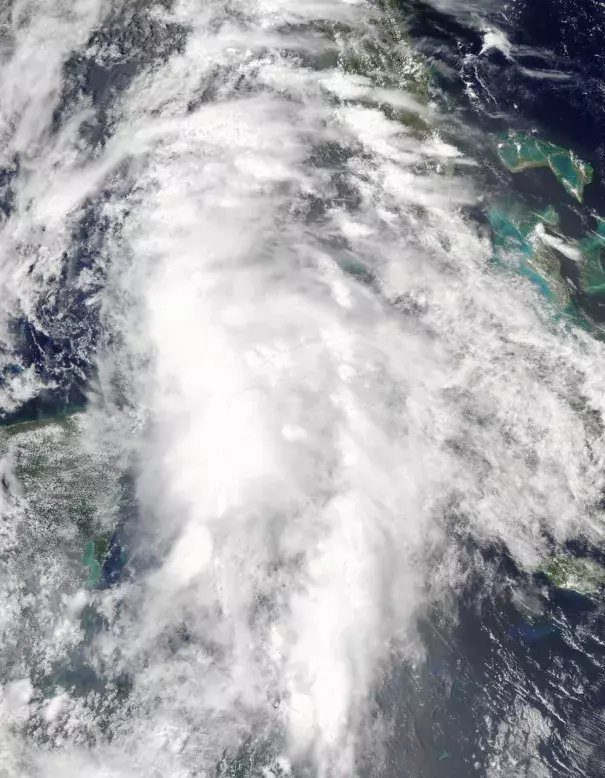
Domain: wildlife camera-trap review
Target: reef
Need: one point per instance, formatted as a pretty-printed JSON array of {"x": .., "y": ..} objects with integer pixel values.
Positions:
[{"x": 520, "y": 150}]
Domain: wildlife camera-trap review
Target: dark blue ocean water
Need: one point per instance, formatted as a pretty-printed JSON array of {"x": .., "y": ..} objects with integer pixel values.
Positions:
[
  {"x": 485, "y": 92},
  {"x": 560, "y": 38},
  {"x": 516, "y": 687},
  {"x": 519, "y": 657},
  {"x": 508, "y": 675},
  {"x": 549, "y": 80}
]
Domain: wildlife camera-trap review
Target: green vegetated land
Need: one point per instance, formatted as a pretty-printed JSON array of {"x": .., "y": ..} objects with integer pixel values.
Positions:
[
  {"x": 531, "y": 242},
  {"x": 578, "y": 574},
  {"x": 522, "y": 150}
]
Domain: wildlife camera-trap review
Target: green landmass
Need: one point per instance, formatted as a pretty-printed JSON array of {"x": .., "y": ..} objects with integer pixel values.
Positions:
[
  {"x": 520, "y": 150},
  {"x": 94, "y": 555},
  {"x": 548, "y": 216},
  {"x": 387, "y": 60},
  {"x": 580, "y": 575},
  {"x": 517, "y": 245},
  {"x": 514, "y": 239},
  {"x": 593, "y": 252}
]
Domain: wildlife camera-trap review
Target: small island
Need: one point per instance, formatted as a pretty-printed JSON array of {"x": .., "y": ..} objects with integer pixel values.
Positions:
[
  {"x": 521, "y": 150},
  {"x": 583, "y": 576}
]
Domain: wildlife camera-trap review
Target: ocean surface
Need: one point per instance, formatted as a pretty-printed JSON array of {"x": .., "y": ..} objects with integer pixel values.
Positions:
[{"x": 302, "y": 389}]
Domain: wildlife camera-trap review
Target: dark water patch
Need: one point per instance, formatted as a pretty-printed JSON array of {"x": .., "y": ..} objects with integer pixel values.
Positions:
[
  {"x": 496, "y": 660},
  {"x": 113, "y": 56},
  {"x": 486, "y": 92},
  {"x": 48, "y": 405},
  {"x": 87, "y": 241},
  {"x": 61, "y": 339},
  {"x": 565, "y": 41},
  {"x": 59, "y": 363},
  {"x": 119, "y": 563}
]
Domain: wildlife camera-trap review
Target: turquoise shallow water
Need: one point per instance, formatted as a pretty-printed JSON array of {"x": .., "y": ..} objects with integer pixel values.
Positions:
[
  {"x": 527, "y": 78},
  {"x": 516, "y": 69},
  {"x": 302, "y": 395}
]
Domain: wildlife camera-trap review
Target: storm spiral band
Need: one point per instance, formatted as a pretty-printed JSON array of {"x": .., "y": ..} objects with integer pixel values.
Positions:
[{"x": 283, "y": 448}]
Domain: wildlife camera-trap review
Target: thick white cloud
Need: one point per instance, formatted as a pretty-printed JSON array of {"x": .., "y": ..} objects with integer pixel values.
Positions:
[{"x": 297, "y": 439}]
